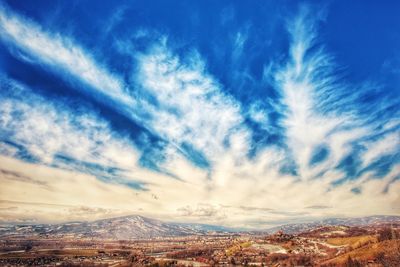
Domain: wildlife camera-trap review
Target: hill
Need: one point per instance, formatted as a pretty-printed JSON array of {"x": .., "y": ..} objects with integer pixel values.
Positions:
[{"x": 120, "y": 228}]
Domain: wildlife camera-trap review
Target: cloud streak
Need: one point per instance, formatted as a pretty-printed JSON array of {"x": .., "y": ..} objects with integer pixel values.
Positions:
[
  {"x": 185, "y": 104},
  {"x": 336, "y": 139},
  {"x": 40, "y": 131},
  {"x": 58, "y": 52}
]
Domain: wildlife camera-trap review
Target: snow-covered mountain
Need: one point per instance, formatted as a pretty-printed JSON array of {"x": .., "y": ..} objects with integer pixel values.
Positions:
[
  {"x": 139, "y": 227},
  {"x": 362, "y": 221},
  {"x": 127, "y": 227}
]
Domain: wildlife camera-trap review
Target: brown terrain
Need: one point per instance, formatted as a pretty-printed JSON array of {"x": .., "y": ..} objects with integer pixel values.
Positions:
[{"x": 333, "y": 245}]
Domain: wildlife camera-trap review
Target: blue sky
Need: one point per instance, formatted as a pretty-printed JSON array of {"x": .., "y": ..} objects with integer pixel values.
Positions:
[{"x": 226, "y": 112}]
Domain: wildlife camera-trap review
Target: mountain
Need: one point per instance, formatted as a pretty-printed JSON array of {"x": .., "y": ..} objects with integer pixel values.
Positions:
[
  {"x": 127, "y": 227},
  {"x": 362, "y": 221},
  {"x": 139, "y": 227},
  {"x": 209, "y": 228}
]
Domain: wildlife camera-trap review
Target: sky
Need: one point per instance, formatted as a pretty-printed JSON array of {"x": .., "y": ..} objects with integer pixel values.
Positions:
[{"x": 237, "y": 113}]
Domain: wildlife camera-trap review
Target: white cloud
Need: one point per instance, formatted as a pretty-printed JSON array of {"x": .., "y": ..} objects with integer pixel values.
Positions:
[
  {"x": 190, "y": 106},
  {"x": 60, "y": 53},
  {"x": 258, "y": 114},
  {"x": 386, "y": 145},
  {"x": 305, "y": 82},
  {"x": 47, "y": 130},
  {"x": 184, "y": 104},
  {"x": 193, "y": 108}
]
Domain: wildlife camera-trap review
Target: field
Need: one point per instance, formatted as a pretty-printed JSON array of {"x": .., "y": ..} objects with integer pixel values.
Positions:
[{"x": 353, "y": 242}]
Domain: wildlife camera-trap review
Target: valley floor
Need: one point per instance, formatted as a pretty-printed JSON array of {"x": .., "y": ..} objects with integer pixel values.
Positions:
[{"x": 324, "y": 246}]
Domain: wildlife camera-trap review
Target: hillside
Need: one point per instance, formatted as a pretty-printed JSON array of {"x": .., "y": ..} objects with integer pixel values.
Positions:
[
  {"x": 386, "y": 252},
  {"x": 361, "y": 221},
  {"x": 127, "y": 227}
]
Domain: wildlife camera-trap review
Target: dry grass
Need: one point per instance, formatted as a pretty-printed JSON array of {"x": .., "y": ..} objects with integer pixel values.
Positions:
[
  {"x": 353, "y": 242},
  {"x": 233, "y": 249},
  {"x": 388, "y": 248}
]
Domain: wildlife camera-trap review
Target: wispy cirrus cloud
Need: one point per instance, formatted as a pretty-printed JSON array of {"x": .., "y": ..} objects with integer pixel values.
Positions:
[
  {"x": 321, "y": 128},
  {"x": 37, "y": 130},
  {"x": 335, "y": 139},
  {"x": 186, "y": 105},
  {"x": 61, "y": 53},
  {"x": 180, "y": 101}
]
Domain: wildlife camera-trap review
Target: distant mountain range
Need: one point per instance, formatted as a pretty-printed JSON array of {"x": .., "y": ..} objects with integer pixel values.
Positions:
[
  {"x": 127, "y": 227},
  {"x": 139, "y": 227},
  {"x": 362, "y": 221}
]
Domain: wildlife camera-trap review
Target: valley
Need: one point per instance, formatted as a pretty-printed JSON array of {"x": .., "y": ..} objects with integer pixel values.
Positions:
[{"x": 99, "y": 243}]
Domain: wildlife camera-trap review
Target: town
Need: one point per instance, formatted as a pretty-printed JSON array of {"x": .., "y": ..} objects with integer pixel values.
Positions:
[{"x": 322, "y": 246}]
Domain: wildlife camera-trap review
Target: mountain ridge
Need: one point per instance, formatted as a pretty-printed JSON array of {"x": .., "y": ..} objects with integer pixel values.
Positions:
[
  {"x": 352, "y": 221},
  {"x": 140, "y": 227}
]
